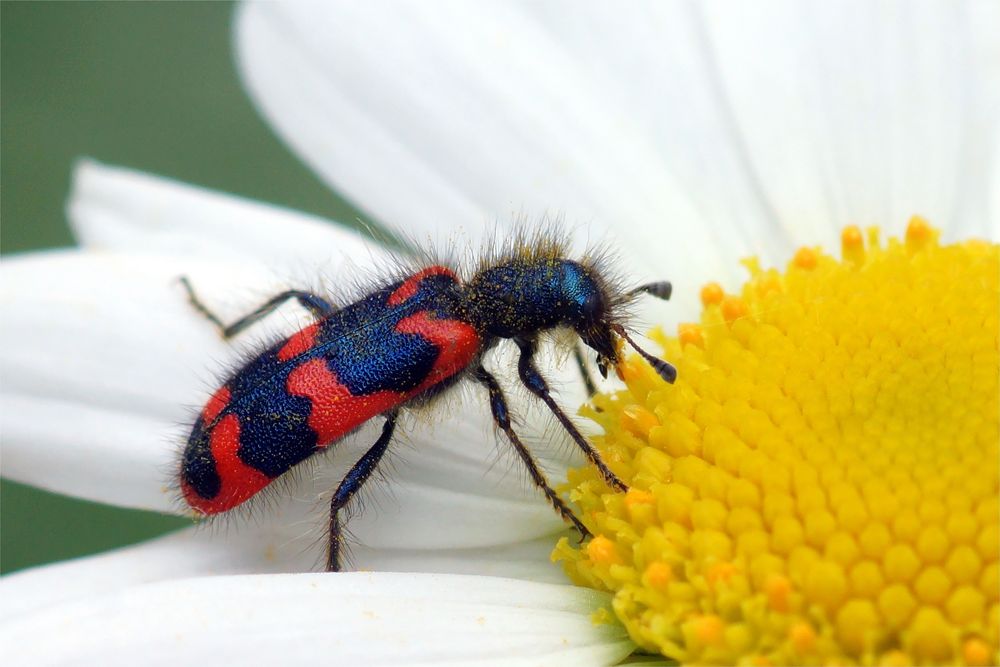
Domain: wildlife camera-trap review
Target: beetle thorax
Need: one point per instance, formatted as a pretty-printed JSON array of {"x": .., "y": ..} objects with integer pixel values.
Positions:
[{"x": 522, "y": 297}]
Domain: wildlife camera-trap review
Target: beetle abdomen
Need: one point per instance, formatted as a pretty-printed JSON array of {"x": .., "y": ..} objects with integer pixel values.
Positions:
[{"x": 320, "y": 384}]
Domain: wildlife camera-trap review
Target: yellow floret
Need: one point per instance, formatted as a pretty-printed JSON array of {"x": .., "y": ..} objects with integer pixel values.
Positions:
[{"x": 821, "y": 484}]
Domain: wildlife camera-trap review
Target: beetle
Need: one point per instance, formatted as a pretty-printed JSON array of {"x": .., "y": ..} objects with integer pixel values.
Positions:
[{"x": 402, "y": 345}]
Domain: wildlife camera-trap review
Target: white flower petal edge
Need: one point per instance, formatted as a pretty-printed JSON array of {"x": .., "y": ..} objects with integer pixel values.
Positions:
[
  {"x": 360, "y": 618},
  {"x": 114, "y": 208},
  {"x": 270, "y": 548}
]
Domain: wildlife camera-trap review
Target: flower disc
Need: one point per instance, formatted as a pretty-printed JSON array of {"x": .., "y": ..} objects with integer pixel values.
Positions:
[{"x": 821, "y": 484}]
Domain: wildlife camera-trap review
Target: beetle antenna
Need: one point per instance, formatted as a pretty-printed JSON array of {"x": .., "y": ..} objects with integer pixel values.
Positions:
[
  {"x": 663, "y": 368},
  {"x": 661, "y": 290}
]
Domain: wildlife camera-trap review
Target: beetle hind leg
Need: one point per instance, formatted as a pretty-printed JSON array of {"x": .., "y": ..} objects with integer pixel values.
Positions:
[{"x": 353, "y": 480}]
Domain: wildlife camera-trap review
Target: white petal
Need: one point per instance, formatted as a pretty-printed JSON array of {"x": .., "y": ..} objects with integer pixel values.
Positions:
[
  {"x": 99, "y": 453},
  {"x": 461, "y": 114},
  {"x": 103, "y": 361},
  {"x": 720, "y": 131},
  {"x": 357, "y": 618},
  {"x": 862, "y": 112},
  {"x": 123, "y": 209},
  {"x": 273, "y": 547},
  {"x": 985, "y": 47}
]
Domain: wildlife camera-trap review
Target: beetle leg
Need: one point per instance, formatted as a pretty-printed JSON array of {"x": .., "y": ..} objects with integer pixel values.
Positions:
[
  {"x": 581, "y": 362},
  {"x": 501, "y": 415},
  {"x": 536, "y": 384},
  {"x": 660, "y": 289},
  {"x": 353, "y": 481},
  {"x": 316, "y": 305}
]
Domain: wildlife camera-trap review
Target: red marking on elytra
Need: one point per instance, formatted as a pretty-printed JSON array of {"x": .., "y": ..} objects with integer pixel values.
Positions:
[
  {"x": 412, "y": 284},
  {"x": 216, "y": 404},
  {"x": 457, "y": 343},
  {"x": 239, "y": 481},
  {"x": 335, "y": 410},
  {"x": 191, "y": 496},
  {"x": 299, "y": 342}
]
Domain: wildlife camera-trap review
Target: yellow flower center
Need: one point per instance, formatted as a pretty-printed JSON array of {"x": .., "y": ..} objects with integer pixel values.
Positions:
[{"x": 821, "y": 484}]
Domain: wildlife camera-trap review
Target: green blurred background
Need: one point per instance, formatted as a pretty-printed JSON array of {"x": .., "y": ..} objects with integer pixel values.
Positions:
[{"x": 145, "y": 85}]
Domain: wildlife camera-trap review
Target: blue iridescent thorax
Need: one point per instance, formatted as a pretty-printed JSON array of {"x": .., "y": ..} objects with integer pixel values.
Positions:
[{"x": 522, "y": 297}]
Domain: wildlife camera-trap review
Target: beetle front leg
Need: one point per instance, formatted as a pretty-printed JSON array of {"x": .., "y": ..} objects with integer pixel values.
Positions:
[
  {"x": 537, "y": 385},
  {"x": 581, "y": 363},
  {"x": 501, "y": 416}
]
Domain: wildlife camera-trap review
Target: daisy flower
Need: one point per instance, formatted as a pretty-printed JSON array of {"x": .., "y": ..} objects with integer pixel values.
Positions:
[{"x": 819, "y": 486}]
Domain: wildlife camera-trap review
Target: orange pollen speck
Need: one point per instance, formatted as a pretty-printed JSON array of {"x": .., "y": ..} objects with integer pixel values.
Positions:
[
  {"x": 802, "y": 636},
  {"x": 852, "y": 245},
  {"x": 733, "y": 308},
  {"x": 638, "y": 497},
  {"x": 602, "y": 550},
  {"x": 976, "y": 652},
  {"x": 658, "y": 575},
  {"x": 805, "y": 258},
  {"x": 690, "y": 334},
  {"x": 722, "y": 572},
  {"x": 712, "y": 293},
  {"x": 629, "y": 369},
  {"x": 707, "y": 629},
  {"x": 851, "y": 238},
  {"x": 918, "y": 231},
  {"x": 778, "y": 588}
]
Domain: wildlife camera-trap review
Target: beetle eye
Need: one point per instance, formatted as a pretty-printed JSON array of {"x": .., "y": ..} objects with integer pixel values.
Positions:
[{"x": 592, "y": 308}]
